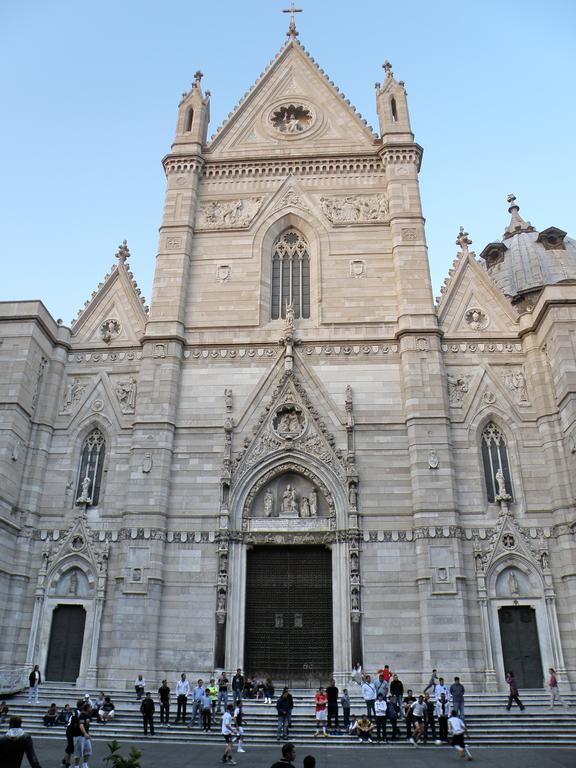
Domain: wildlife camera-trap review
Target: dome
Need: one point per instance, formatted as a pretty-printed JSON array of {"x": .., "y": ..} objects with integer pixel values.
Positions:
[{"x": 525, "y": 261}]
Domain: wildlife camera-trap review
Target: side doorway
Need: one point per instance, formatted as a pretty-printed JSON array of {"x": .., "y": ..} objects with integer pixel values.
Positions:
[
  {"x": 520, "y": 644},
  {"x": 66, "y": 642}
]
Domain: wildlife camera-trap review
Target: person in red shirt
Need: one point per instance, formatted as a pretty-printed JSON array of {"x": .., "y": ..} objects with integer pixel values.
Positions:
[
  {"x": 386, "y": 673},
  {"x": 321, "y": 712}
]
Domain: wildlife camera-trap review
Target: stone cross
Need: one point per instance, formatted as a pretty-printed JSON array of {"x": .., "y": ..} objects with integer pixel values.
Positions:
[{"x": 292, "y": 28}]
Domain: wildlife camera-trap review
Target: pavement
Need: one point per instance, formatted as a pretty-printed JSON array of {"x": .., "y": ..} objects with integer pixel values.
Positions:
[{"x": 50, "y": 752}]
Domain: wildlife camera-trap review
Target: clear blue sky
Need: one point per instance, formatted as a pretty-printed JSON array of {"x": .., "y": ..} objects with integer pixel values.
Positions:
[{"x": 90, "y": 94}]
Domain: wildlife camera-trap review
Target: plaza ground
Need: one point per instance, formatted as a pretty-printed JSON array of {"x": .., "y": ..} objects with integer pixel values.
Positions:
[{"x": 50, "y": 752}]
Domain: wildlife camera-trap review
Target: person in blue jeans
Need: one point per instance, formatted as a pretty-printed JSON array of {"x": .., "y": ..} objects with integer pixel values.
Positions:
[{"x": 283, "y": 709}]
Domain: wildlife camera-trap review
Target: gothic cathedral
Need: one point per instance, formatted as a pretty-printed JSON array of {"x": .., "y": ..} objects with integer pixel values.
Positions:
[{"x": 296, "y": 459}]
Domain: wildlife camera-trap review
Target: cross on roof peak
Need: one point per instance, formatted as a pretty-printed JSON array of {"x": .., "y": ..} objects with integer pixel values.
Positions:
[{"x": 292, "y": 28}]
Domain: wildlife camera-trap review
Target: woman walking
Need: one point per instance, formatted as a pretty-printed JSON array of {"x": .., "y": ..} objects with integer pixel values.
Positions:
[
  {"x": 553, "y": 688},
  {"x": 513, "y": 696}
]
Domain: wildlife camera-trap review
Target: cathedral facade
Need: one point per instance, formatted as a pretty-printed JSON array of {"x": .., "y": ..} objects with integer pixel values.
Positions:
[{"x": 296, "y": 459}]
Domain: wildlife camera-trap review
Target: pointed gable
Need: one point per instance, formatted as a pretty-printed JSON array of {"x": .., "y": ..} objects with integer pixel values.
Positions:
[
  {"x": 472, "y": 305},
  {"x": 292, "y": 108},
  {"x": 115, "y": 315}
]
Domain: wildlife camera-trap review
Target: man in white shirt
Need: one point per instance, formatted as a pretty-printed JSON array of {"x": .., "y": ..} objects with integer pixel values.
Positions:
[
  {"x": 182, "y": 691},
  {"x": 228, "y": 733},
  {"x": 381, "y": 708},
  {"x": 457, "y": 730},
  {"x": 417, "y": 709},
  {"x": 369, "y": 694},
  {"x": 440, "y": 689}
]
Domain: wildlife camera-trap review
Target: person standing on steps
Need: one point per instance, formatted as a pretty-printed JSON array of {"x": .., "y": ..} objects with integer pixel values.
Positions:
[
  {"x": 182, "y": 691},
  {"x": 197, "y": 696},
  {"x": 237, "y": 686},
  {"x": 147, "y": 708},
  {"x": 164, "y": 699},
  {"x": 345, "y": 704},
  {"x": 288, "y": 756},
  {"x": 458, "y": 731},
  {"x": 332, "y": 696},
  {"x": 457, "y": 691},
  {"x": 381, "y": 709},
  {"x": 212, "y": 690},
  {"x": 222, "y": 693},
  {"x": 283, "y": 710},
  {"x": 206, "y": 711},
  {"x": 513, "y": 696},
  {"x": 552, "y": 684},
  {"x": 34, "y": 681},
  {"x": 80, "y": 731},
  {"x": 321, "y": 702},
  {"x": 397, "y": 692},
  {"x": 139, "y": 687},
  {"x": 228, "y": 733},
  {"x": 369, "y": 695}
]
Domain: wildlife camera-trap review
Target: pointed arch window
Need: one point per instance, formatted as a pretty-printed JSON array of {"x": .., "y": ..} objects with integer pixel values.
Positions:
[
  {"x": 290, "y": 275},
  {"x": 91, "y": 464},
  {"x": 494, "y": 458}
]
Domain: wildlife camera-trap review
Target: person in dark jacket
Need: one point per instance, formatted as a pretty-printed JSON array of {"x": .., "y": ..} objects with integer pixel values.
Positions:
[
  {"x": 513, "y": 695},
  {"x": 148, "y": 708},
  {"x": 34, "y": 680},
  {"x": 397, "y": 692},
  {"x": 15, "y": 744},
  {"x": 283, "y": 708}
]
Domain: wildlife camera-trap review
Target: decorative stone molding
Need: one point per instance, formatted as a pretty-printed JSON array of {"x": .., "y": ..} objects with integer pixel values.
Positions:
[
  {"x": 227, "y": 214},
  {"x": 223, "y": 272},
  {"x": 42, "y": 365},
  {"x": 488, "y": 397},
  {"x": 401, "y": 156},
  {"x": 490, "y": 346},
  {"x": 104, "y": 357},
  {"x": 231, "y": 353},
  {"x": 357, "y": 268},
  {"x": 356, "y": 209},
  {"x": 183, "y": 165},
  {"x": 351, "y": 349},
  {"x": 409, "y": 234},
  {"x": 359, "y": 167}
]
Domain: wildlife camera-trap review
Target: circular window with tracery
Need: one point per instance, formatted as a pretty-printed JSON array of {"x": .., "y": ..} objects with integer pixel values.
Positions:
[{"x": 292, "y": 119}]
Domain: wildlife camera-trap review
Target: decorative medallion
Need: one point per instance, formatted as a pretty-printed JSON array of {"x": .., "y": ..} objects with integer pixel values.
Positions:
[
  {"x": 291, "y": 119},
  {"x": 110, "y": 329},
  {"x": 289, "y": 421},
  {"x": 476, "y": 318}
]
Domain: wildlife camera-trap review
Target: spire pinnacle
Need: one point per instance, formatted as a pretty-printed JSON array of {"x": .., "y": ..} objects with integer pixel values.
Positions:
[
  {"x": 517, "y": 223},
  {"x": 292, "y": 32},
  {"x": 197, "y": 77},
  {"x": 387, "y": 67},
  {"x": 463, "y": 241},
  {"x": 123, "y": 252}
]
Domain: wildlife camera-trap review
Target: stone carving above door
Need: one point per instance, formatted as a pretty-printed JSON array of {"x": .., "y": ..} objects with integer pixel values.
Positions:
[{"x": 228, "y": 214}]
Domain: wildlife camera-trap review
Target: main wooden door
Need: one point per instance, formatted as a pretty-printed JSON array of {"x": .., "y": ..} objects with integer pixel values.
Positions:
[
  {"x": 66, "y": 640},
  {"x": 288, "y": 625},
  {"x": 520, "y": 645}
]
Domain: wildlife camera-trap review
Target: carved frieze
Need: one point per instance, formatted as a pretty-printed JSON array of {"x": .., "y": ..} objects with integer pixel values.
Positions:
[
  {"x": 125, "y": 391},
  {"x": 458, "y": 386},
  {"x": 356, "y": 209},
  {"x": 104, "y": 357},
  {"x": 73, "y": 393},
  {"x": 515, "y": 382},
  {"x": 227, "y": 214}
]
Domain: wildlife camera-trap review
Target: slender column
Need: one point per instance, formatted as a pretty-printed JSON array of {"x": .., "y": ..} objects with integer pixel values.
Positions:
[{"x": 489, "y": 671}]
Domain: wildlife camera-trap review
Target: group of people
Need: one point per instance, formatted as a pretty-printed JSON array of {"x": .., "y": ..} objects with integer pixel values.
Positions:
[{"x": 387, "y": 703}]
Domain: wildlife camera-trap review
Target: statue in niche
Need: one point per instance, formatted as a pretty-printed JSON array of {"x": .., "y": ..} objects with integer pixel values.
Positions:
[
  {"x": 73, "y": 584},
  {"x": 304, "y": 507},
  {"x": 228, "y": 399},
  {"x": 313, "y": 502},
  {"x": 353, "y": 494},
  {"x": 223, "y": 567},
  {"x": 545, "y": 561},
  {"x": 354, "y": 562},
  {"x": 221, "y": 603},
  {"x": 289, "y": 502},
  {"x": 513, "y": 584},
  {"x": 268, "y": 504},
  {"x": 355, "y": 600},
  {"x": 126, "y": 394}
]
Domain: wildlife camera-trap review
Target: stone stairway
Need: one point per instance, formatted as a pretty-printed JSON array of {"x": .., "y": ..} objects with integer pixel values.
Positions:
[{"x": 486, "y": 717}]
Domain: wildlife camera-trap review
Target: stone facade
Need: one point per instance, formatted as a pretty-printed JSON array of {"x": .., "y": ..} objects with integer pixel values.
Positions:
[{"x": 372, "y": 408}]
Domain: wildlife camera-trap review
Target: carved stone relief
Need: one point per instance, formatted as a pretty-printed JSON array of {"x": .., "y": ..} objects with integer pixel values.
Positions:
[
  {"x": 290, "y": 199},
  {"x": 357, "y": 268},
  {"x": 227, "y": 214},
  {"x": 356, "y": 209},
  {"x": 75, "y": 388},
  {"x": 125, "y": 391},
  {"x": 515, "y": 382},
  {"x": 290, "y": 495},
  {"x": 458, "y": 386}
]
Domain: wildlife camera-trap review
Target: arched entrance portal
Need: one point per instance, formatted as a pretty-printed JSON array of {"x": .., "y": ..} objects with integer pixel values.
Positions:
[{"x": 289, "y": 612}]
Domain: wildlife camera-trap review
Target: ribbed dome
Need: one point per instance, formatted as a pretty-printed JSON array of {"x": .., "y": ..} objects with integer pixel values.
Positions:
[{"x": 526, "y": 261}]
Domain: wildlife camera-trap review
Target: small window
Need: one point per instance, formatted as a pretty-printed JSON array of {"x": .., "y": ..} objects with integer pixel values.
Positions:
[
  {"x": 189, "y": 119},
  {"x": 393, "y": 110},
  {"x": 290, "y": 275},
  {"x": 495, "y": 458},
  {"x": 91, "y": 463}
]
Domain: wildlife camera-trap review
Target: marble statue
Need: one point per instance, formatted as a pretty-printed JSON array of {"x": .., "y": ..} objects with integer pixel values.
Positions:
[
  {"x": 501, "y": 483},
  {"x": 304, "y": 507},
  {"x": 268, "y": 504},
  {"x": 85, "y": 497},
  {"x": 73, "y": 584},
  {"x": 513, "y": 584},
  {"x": 313, "y": 502}
]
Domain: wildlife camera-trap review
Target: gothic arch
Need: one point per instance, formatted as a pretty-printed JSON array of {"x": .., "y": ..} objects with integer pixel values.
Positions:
[
  {"x": 316, "y": 235},
  {"x": 514, "y": 561},
  {"x": 505, "y": 424},
  {"x": 77, "y": 439},
  {"x": 71, "y": 561},
  {"x": 276, "y": 464}
]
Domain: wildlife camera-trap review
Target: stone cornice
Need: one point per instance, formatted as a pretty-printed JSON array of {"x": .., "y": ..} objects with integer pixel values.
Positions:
[
  {"x": 345, "y": 165},
  {"x": 402, "y": 154}
]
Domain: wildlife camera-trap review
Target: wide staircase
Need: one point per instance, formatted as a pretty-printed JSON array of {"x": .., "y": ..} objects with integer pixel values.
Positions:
[{"x": 487, "y": 720}]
